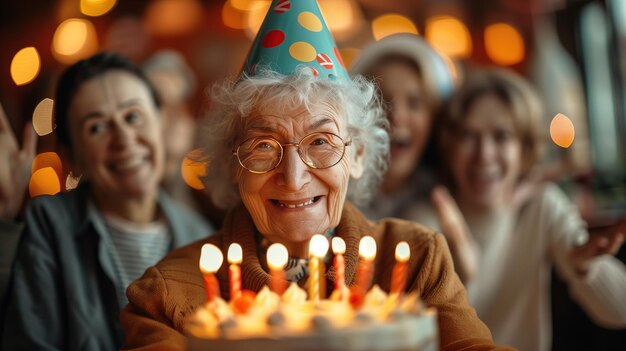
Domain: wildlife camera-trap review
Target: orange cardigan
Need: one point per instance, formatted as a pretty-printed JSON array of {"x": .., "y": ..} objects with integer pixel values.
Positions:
[{"x": 166, "y": 294}]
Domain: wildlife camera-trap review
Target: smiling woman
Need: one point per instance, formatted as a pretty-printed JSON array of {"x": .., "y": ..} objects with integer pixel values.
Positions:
[{"x": 81, "y": 249}]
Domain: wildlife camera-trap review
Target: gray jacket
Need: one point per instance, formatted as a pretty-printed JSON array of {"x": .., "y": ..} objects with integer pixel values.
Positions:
[{"x": 62, "y": 293}]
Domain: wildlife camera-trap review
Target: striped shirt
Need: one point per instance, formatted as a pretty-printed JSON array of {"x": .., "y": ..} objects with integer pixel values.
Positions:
[{"x": 133, "y": 248}]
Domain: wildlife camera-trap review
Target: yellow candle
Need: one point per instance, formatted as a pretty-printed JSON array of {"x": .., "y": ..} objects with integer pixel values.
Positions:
[
  {"x": 339, "y": 248},
  {"x": 398, "y": 274},
  {"x": 318, "y": 246},
  {"x": 277, "y": 257},
  {"x": 235, "y": 256},
  {"x": 211, "y": 259}
]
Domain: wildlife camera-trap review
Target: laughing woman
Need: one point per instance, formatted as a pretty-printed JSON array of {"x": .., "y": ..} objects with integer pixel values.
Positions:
[{"x": 491, "y": 138}]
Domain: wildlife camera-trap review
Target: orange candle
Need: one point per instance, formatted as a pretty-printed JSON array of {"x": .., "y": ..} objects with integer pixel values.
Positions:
[
  {"x": 277, "y": 257},
  {"x": 339, "y": 248},
  {"x": 211, "y": 259},
  {"x": 235, "y": 256},
  {"x": 398, "y": 274},
  {"x": 365, "y": 269},
  {"x": 318, "y": 246}
]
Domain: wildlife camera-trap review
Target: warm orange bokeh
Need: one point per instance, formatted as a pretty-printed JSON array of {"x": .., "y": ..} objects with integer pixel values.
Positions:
[
  {"x": 504, "y": 44},
  {"x": 47, "y": 159},
  {"x": 386, "y": 25},
  {"x": 562, "y": 131},
  {"x": 42, "y": 117},
  {"x": 25, "y": 66},
  {"x": 192, "y": 170},
  {"x": 449, "y": 35},
  {"x": 44, "y": 181}
]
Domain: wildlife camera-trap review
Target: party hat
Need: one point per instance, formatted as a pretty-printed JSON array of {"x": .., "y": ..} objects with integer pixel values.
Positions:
[{"x": 293, "y": 35}]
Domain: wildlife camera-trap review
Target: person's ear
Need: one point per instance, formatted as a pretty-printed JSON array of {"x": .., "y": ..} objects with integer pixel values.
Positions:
[{"x": 357, "y": 164}]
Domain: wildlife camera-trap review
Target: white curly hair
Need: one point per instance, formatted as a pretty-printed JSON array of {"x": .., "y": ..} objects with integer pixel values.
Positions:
[{"x": 233, "y": 100}]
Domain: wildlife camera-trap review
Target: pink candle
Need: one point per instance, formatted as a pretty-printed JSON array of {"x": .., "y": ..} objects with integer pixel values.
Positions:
[
  {"x": 277, "y": 257},
  {"x": 235, "y": 256},
  {"x": 365, "y": 269},
  {"x": 339, "y": 248},
  {"x": 211, "y": 259},
  {"x": 398, "y": 274}
]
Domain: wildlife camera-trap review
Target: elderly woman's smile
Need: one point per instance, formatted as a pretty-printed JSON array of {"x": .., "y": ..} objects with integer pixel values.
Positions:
[{"x": 290, "y": 199}]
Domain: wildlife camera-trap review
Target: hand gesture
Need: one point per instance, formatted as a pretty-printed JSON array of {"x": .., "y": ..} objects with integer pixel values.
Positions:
[
  {"x": 607, "y": 243},
  {"x": 462, "y": 245},
  {"x": 15, "y": 166}
]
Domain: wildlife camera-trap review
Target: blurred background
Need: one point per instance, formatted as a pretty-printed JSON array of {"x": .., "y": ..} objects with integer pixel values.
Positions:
[{"x": 574, "y": 51}]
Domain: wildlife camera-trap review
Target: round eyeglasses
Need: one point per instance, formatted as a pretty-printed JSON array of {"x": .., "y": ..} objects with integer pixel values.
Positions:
[{"x": 317, "y": 150}]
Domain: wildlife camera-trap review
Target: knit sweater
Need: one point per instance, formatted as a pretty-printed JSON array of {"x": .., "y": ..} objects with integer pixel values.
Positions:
[{"x": 161, "y": 301}]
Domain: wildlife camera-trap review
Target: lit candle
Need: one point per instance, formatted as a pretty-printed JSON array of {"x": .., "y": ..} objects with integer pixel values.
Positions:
[
  {"x": 365, "y": 269},
  {"x": 211, "y": 259},
  {"x": 318, "y": 246},
  {"x": 398, "y": 274},
  {"x": 277, "y": 257},
  {"x": 235, "y": 256},
  {"x": 339, "y": 248}
]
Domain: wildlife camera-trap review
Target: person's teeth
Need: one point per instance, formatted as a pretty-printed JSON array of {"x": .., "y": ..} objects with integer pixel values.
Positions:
[
  {"x": 296, "y": 205},
  {"x": 129, "y": 163}
]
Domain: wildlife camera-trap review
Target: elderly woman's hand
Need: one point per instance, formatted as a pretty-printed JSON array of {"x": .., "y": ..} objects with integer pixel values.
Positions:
[
  {"x": 15, "y": 165},
  {"x": 607, "y": 243},
  {"x": 462, "y": 245}
]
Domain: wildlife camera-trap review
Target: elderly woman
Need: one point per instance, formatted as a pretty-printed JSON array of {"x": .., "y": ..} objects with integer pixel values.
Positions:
[
  {"x": 491, "y": 138},
  {"x": 81, "y": 249},
  {"x": 289, "y": 154}
]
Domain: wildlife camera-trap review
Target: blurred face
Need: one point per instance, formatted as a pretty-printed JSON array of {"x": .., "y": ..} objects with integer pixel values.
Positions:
[
  {"x": 292, "y": 202},
  {"x": 409, "y": 115},
  {"x": 116, "y": 135},
  {"x": 486, "y": 154}
]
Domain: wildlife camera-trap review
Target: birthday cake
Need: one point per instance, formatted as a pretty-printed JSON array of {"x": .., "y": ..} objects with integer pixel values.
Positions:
[{"x": 267, "y": 321}]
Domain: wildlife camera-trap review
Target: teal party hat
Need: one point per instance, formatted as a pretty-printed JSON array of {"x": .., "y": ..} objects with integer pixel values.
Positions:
[{"x": 294, "y": 35}]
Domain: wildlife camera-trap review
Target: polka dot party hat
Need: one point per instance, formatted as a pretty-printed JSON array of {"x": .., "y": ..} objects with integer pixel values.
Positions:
[{"x": 293, "y": 35}]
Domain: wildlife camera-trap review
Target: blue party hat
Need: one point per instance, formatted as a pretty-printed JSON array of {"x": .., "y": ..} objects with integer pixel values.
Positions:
[{"x": 293, "y": 35}]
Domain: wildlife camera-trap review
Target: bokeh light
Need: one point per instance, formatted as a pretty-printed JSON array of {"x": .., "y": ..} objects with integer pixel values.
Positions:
[
  {"x": 47, "y": 159},
  {"x": 44, "y": 181},
  {"x": 71, "y": 182},
  {"x": 562, "y": 130},
  {"x": 255, "y": 16},
  {"x": 42, "y": 117},
  {"x": 504, "y": 44},
  {"x": 241, "y": 5},
  {"x": 192, "y": 170},
  {"x": 170, "y": 18},
  {"x": 338, "y": 15},
  {"x": 74, "y": 39},
  {"x": 386, "y": 25},
  {"x": 449, "y": 35},
  {"x": 96, "y": 8},
  {"x": 233, "y": 17},
  {"x": 348, "y": 55},
  {"x": 25, "y": 66}
]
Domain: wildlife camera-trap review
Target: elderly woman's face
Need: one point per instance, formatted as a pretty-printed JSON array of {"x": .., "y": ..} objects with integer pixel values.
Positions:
[
  {"x": 486, "y": 154},
  {"x": 292, "y": 202},
  {"x": 116, "y": 135}
]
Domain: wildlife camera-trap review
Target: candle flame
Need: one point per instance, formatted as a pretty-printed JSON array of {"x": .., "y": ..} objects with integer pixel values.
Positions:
[
  {"x": 235, "y": 254},
  {"x": 211, "y": 258},
  {"x": 318, "y": 246},
  {"x": 339, "y": 246},
  {"x": 367, "y": 248},
  {"x": 403, "y": 252},
  {"x": 277, "y": 256}
]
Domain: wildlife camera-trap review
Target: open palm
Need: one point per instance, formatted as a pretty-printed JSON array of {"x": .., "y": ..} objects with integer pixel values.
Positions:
[{"x": 15, "y": 165}]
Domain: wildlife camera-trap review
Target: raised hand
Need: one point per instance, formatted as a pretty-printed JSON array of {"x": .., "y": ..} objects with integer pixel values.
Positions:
[
  {"x": 606, "y": 243},
  {"x": 462, "y": 245},
  {"x": 15, "y": 166}
]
